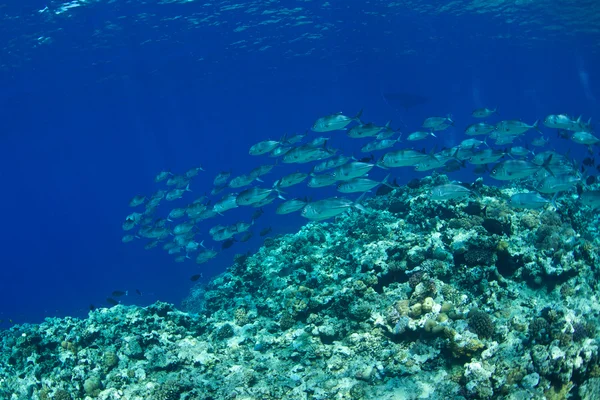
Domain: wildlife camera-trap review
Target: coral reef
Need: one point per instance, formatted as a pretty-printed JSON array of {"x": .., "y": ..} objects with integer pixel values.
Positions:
[{"x": 414, "y": 299}]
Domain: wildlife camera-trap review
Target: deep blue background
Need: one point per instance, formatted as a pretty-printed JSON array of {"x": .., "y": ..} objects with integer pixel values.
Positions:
[{"x": 83, "y": 129}]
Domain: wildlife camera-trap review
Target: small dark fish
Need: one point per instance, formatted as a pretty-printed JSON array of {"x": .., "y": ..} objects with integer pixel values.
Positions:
[
  {"x": 257, "y": 213},
  {"x": 194, "y": 278},
  {"x": 589, "y": 162},
  {"x": 265, "y": 231},
  {"x": 112, "y": 301},
  {"x": 92, "y": 307},
  {"x": 453, "y": 165},
  {"x": 563, "y": 134},
  {"x": 590, "y": 180},
  {"x": 368, "y": 159},
  {"x": 138, "y": 292},
  {"x": 494, "y": 226},
  {"x": 386, "y": 189},
  {"x": 228, "y": 243},
  {"x": 474, "y": 208},
  {"x": 119, "y": 293},
  {"x": 414, "y": 183},
  {"x": 247, "y": 236}
]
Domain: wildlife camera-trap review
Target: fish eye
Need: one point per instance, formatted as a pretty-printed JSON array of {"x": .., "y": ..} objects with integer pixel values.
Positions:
[{"x": 494, "y": 171}]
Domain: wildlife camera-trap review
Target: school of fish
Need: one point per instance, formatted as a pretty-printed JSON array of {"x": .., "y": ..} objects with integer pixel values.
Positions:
[{"x": 546, "y": 173}]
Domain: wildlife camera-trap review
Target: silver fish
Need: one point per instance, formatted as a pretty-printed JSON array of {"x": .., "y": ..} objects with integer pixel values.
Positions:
[
  {"x": 254, "y": 195},
  {"x": 449, "y": 191},
  {"x": 591, "y": 198},
  {"x": 322, "y": 180},
  {"x": 360, "y": 185},
  {"x": 584, "y": 138},
  {"x": 263, "y": 147},
  {"x": 401, "y": 158},
  {"x": 558, "y": 183},
  {"x": 290, "y": 206},
  {"x": 379, "y": 145},
  {"x": 514, "y": 127},
  {"x": 137, "y": 201},
  {"x": 486, "y": 156},
  {"x": 516, "y": 169},
  {"x": 176, "y": 213},
  {"x": 334, "y": 122},
  {"x": 479, "y": 128},
  {"x": 241, "y": 181},
  {"x": 328, "y": 208},
  {"x": 351, "y": 170},
  {"x": 290, "y": 180},
  {"x": 226, "y": 203},
  {"x": 364, "y": 130},
  {"x": 205, "y": 256},
  {"x": 559, "y": 121},
  {"x": 419, "y": 135},
  {"x": 331, "y": 163},
  {"x": 530, "y": 200},
  {"x": 484, "y": 112},
  {"x": 193, "y": 172},
  {"x": 434, "y": 122},
  {"x": 221, "y": 178},
  {"x": 162, "y": 176},
  {"x": 177, "y": 193}
]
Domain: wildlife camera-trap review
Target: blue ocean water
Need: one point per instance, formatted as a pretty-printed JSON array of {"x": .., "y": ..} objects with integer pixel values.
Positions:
[{"x": 97, "y": 97}]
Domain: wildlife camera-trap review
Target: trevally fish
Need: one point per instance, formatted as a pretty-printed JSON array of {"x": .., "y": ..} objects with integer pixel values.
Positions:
[
  {"x": 322, "y": 180},
  {"x": 359, "y": 185},
  {"x": 366, "y": 130},
  {"x": 334, "y": 122},
  {"x": 449, "y": 191},
  {"x": 228, "y": 202},
  {"x": 177, "y": 193},
  {"x": 379, "y": 145},
  {"x": 486, "y": 156},
  {"x": 221, "y": 178},
  {"x": 351, "y": 170},
  {"x": 290, "y": 180},
  {"x": 162, "y": 176},
  {"x": 419, "y": 135},
  {"x": 263, "y": 147},
  {"x": 484, "y": 112},
  {"x": 561, "y": 121},
  {"x": 584, "y": 138},
  {"x": 291, "y": 206},
  {"x": 516, "y": 169},
  {"x": 514, "y": 127},
  {"x": 559, "y": 183},
  {"x": 401, "y": 158},
  {"x": 529, "y": 200},
  {"x": 590, "y": 198},
  {"x": 331, "y": 163},
  {"x": 434, "y": 122},
  {"x": 479, "y": 128},
  {"x": 137, "y": 201},
  {"x": 254, "y": 195},
  {"x": 328, "y": 208}
]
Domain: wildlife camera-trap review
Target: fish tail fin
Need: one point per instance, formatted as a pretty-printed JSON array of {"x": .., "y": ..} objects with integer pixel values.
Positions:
[
  {"x": 279, "y": 191},
  {"x": 385, "y": 181},
  {"x": 187, "y": 188},
  {"x": 432, "y": 134},
  {"x": 202, "y": 244},
  {"x": 546, "y": 164},
  {"x": 553, "y": 201},
  {"x": 536, "y": 126},
  {"x": 258, "y": 179},
  {"x": 358, "y": 115}
]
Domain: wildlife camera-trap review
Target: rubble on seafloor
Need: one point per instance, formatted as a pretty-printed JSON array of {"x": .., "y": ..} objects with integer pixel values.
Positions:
[{"x": 465, "y": 299}]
